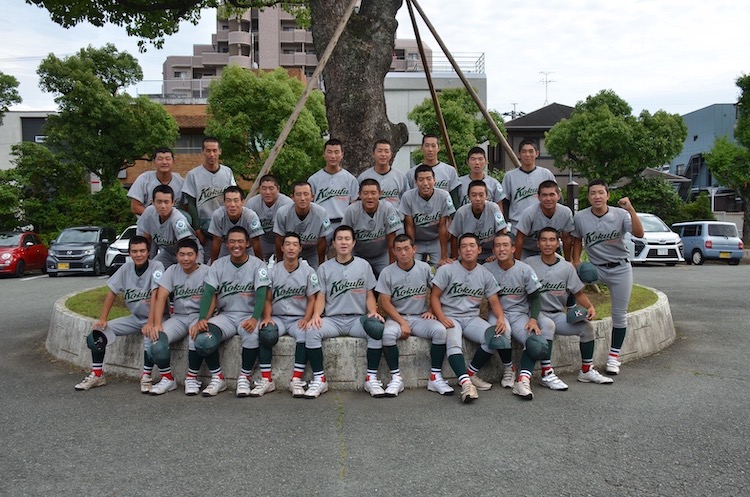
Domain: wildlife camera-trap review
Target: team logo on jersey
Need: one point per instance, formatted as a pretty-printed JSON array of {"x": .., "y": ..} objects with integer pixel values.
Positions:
[
  {"x": 132, "y": 295},
  {"x": 326, "y": 223},
  {"x": 511, "y": 290},
  {"x": 209, "y": 193},
  {"x": 267, "y": 225},
  {"x": 263, "y": 272},
  {"x": 184, "y": 291},
  {"x": 553, "y": 287},
  {"x": 393, "y": 220},
  {"x": 392, "y": 195},
  {"x": 449, "y": 202},
  {"x": 314, "y": 279},
  {"x": 462, "y": 290},
  {"x": 157, "y": 274},
  {"x": 163, "y": 241},
  {"x": 524, "y": 192},
  {"x": 402, "y": 292},
  {"x": 341, "y": 287},
  {"x": 369, "y": 235},
  {"x": 595, "y": 238},
  {"x": 329, "y": 193},
  {"x": 181, "y": 224},
  {"x": 227, "y": 288},
  {"x": 442, "y": 184},
  {"x": 421, "y": 219},
  {"x": 255, "y": 224},
  {"x": 283, "y": 292},
  {"x": 499, "y": 219}
]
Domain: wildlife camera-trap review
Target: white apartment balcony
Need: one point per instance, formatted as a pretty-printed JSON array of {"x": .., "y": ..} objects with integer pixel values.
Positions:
[
  {"x": 296, "y": 36},
  {"x": 240, "y": 38},
  {"x": 210, "y": 59}
]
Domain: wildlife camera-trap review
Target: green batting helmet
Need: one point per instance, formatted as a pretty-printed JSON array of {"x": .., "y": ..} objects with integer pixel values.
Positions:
[
  {"x": 160, "y": 350},
  {"x": 96, "y": 341},
  {"x": 588, "y": 272},
  {"x": 373, "y": 327},
  {"x": 496, "y": 341},
  {"x": 268, "y": 336},
  {"x": 576, "y": 314},
  {"x": 537, "y": 347},
  {"x": 207, "y": 342}
]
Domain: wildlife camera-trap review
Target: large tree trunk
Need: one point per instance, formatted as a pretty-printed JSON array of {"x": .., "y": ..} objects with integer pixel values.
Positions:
[{"x": 353, "y": 77}]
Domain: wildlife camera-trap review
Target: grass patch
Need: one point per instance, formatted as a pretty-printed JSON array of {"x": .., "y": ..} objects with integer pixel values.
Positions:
[
  {"x": 90, "y": 303},
  {"x": 639, "y": 299}
]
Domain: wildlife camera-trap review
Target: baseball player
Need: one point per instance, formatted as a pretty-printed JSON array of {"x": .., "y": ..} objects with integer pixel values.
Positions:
[
  {"x": 457, "y": 292},
  {"x": 480, "y": 217},
  {"x": 290, "y": 303},
  {"x": 404, "y": 287},
  {"x": 346, "y": 296},
  {"x": 601, "y": 230},
  {"x": 310, "y": 221},
  {"x": 164, "y": 226},
  {"x": 426, "y": 211},
  {"x": 136, "y": 280},
  {"x": 142, "y": 189},
  {"x": 203, "y": 188},
  {"x": 234, "y": 214},
  {"x": 393, "y": 183},
  {"x": 184, "y": 281},
  {"x": 333, "y": 188},
  {"x": 266, "y": 204},
  {"x": 521, "y": 184},
  {"x": 547, "y": 213},
  {"x": 477, "y": 162},
  {"x": 446, "y": 177},
  {"x": 559, "y": 280},
  {"x": 236, "y": 286},
  {"x": 375, "y": 224},
  {"x": 519, "y": 296}
]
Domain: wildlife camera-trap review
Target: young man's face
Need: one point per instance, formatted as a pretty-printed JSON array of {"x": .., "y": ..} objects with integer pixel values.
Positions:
[
  {"x": 343, "y": 243},
  {"x": 548, "y": 197},
  {"x": 302, "y": 197},
  {"x": 547, "y": 243},
  {"x": 163, "y": 162},
  {"x": 502, "y": 248},
  {"x": 528, "y": 155},
  {"x": 139, "y": 253},
  {"x": 405, "y": 252},
  {"x": 163, "y": 204},
  {"x": 237, "y": 245},
  {"x": 430, "y": 149},
  {"x": 477, "y": 197},
  {"x": 477, "y": 163},
  {"x": 233, "y": 204},
  {"x": 187, "y": 258},
  {"x": 269, "y": 192},
  {"x": 468, "y": 249},
  {"x": 382, "y": 154},
  {"x": 426, "y": 183},
  {"x": 291, "y": 248},
  {"x": 333, "y": 154},
  {"x": 369, "y": 195},
  {"x": 598, "y": 196},
  {"x": 211, "y": 154}
]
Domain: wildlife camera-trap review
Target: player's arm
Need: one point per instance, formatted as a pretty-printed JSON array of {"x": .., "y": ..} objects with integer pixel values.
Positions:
[
  {"x": 322, "y": 249},
  {"x": 157, "y": 308},
  {"x": 518, "y": 245},
  {"x": 257, "y": 250},
  {"x": 567, "y": 241},
  {"x": 267, "y": 319},
  {"x": 191, "y": 206},
  {"x": 147, "y": 329},
  {"x": 505, "y": 207},
  {"x": 456, "y": 196},
  {"x": 454, "y": 244},
  {"x": 409, "y": 227},
  {"x": 318, "y": 308},
  {"x": 109, "y": 301},
  {"x": 308, "y": 311},
  {"x": 137, "y": 207},
  {"x": 497, "y": 310},
  {"x": 278, "y": 247},
  {"x": 372, "y": 306},
  {"x": 208, "y": 304},
  {"x": 443, "y": 236},
  {"x": 583, "y": 300},
  {"x": 637, "y": 230},
  {"x": 215, "y": 247},
  {"x": 577, "y": 250},
  {"x": 535, "y": 307},
  {"x": 437, "y": 307},
  {"x": 250, "y": 323},
  {"x": 389, "y": 240}
]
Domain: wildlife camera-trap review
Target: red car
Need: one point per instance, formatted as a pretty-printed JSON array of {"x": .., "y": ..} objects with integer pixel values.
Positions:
[{"x": 20, "y": 252}]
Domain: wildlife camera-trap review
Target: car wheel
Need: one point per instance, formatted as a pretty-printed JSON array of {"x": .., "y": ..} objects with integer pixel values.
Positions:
[
  {"x": 20, "y": 268},
  {"x": 734, "y": 262},
  {"x": 97, "y": 267},
  {"x": 697, "y": 257}
]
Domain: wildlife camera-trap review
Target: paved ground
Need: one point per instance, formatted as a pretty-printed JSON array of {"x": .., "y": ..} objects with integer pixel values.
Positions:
[{"x": 673, "y": 424}]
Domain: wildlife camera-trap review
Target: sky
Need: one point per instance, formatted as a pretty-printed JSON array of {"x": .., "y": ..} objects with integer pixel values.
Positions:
[{"x": 675, "y": 55}]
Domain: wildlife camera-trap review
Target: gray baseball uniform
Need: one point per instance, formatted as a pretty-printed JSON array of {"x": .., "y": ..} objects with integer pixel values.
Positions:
[
  {"x": 393, "y": 184},
  {"x": 165, "y": 235},
  {"x": 446, "y": 177},
  {"x": 142, "y": 188},
  {"x": 489, "y": 223},
  {"x": 267, "y": 214},
  {"x": 370, "y": 232},
  {"x": 532, "y": 220},
  {"x": 426, "y": 214},
  {"x": 207, "y": 189},
  {"x": 314, "y": 226},
  {"x": 221, "y": 224},
  {"x": 186, "y": 290},
  {"x": 494, "y": 188},
  {"x": 289, "y": 294},
  {"x": 334, "y": 192},
  {"x": 520, "y": 189}
]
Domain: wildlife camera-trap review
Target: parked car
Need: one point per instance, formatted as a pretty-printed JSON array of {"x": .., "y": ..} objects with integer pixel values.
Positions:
[
  {"x": 21, "y": 251},
  {"x": 705, "y": 240},
  {"x": 658, "y": 243},
  {"x": 117, "y": 253},
  {"x": 79, "y": 250}
]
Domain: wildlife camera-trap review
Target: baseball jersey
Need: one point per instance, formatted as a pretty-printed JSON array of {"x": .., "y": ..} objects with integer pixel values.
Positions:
[
  {"x": 165, "y": 235},
  {"x": 516, "y": 284},
  {"x": 221, "y": 224},
  {"x": 207, "y": 189},
  {"x": 494, "y": 189},
  {"x": 142, "y": 188},
  {"x": 557, "y": 280},
  {"x": 393, "y": 184},
  {"x": 267, "y": 214},
  {"x": 314, "y": 226},
  {"x": 370, "y": 231},
  {"x": 334, "y": 192},
  {"x": 346, "y": 286},
  {"x": 532, "y": 220},
  {"x": 486, "y": 226},
  {"x": 407, "y": 289},
  {"x": 446, "y": 177},
  {"x": 520, "y": 189},
  {"x": 426, "y": 213},
  {"x": 186, "y": 289},
  {"x": 289, "y": 291},
  {"x": 463, "y": 290},
  {"x": 136, "y": 289},
  {"x": 236, "y": 286},
  {"x": 603, "y": 237}
]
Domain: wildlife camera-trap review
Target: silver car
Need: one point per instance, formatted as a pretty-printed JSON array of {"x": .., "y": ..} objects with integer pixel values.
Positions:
[
  {"x": 658, "y": 244},
  {"x": 117, "y": 253}
]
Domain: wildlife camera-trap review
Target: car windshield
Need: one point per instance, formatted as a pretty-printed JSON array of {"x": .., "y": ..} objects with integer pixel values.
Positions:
[
  {"x": 728, "y": 230},
  {"x": 653, "y": 224},
  {"x": 9, "y": 239},
  {"x": 78, "y": 236},
  {"x": 128, "y": 234}
]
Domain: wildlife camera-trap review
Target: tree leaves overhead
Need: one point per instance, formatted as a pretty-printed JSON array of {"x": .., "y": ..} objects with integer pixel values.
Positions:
[{"x": 8, "y": 93}]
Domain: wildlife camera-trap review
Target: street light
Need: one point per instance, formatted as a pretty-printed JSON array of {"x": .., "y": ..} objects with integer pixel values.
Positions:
[{"x": 712, "y": 191}]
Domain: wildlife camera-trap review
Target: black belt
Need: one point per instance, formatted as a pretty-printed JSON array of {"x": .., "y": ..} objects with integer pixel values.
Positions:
[{"x": 610, "y": 265}]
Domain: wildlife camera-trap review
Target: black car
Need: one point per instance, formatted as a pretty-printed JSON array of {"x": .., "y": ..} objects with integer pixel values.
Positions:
[{"x": 80, "y": 250}]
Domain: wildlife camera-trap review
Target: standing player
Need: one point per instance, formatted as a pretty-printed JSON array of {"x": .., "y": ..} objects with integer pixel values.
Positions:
[
  {"x": 426, "y": 210},
  {"x": 375, "y": 224},
  {"x": 547, "y": 213},
  {"x": 184, "y": 281},
  {"x": 236, "y": 286},
  {"x": 404, "y": 287},
  {"x": 480, "y": 217},
  {"x": 234, "y": 214},
  {"x": 446, "y": 177},
  {"x": 310, "y": 221},
  {"x": 601, "y": 230},
  {"x": 520, "y": 185},
  {"x": 559, "y": 280},
  {"x": 290, "y": 303},
  {"x": 333, "y": 188},
  {"x": 477, "y": 162},
  {"x": 266, "y": 204},
  {"x": 203, "y": 188},
  {"x": 136, "y": 280},
  {"x": 393, "y": 183},
  {"x": 164, "y": 226},
  {"x": 519, "y": 296},
  {"x": 457, "y": 292},
  {"x": 142, "y": 189},
  {"x": 347, "y": 299}
]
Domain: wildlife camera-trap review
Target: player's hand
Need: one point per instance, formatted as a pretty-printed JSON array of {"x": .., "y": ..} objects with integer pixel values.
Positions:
[
  {"x": 201, "y": 236},
  {"x": 249, "y": 324},
  {"x": 302, "y": 325},
  {"x": 591, "y": 314},
  {"x": 533, "y": 327},
  {"x": 376, "y": 316},
  {"x": 624, "y": 202},
  {"x": 500, "y": 327},
  {"x": 405, "y": 331},
  {"x": 154, "y": 331},
  {"x": 266, "y": 322},
  {"x": 444, "y": 260},
  {"x": 99, "y": 325},
  {"x": 428, "y": 315},
  {"x": 490, "y": 259},
  {"x": 315, "y": 322},
  {"x": 447, "y": 322},
  {"x": 199, "y": 327}
]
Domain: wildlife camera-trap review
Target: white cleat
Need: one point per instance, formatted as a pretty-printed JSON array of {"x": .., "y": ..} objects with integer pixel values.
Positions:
[
  {"x": 522, "y": 388},
  {"x": 243, "y": 386},
  {"x": 552, "y": 382},
  {"x": 262, "y": 387},
  {"x": 192, "y": 386},
  {"x": 480, "y": 383},
  {"x": 374, "y": 387},
  {"x": 297, "y": 387},
  {"x": 215, "y": 387},
  {"x": 509, "y": 378},
  {"x": 395, "y": 386},
  {"x": 317, "y": 387},
  {"x": 165, "y": 385},
  {"x": 613, "y": 366},
  {"x": 91, "y": 381},
  {"x": 440, "y": 386},
  {"x": 146, "y": 383},
  {"x": 594, "y": 376}
]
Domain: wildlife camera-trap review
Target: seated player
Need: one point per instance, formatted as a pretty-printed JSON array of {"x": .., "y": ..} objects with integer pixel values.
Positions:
[
  {"x": 548, "y": 212},
  {"x": 234, "y": 214},
  {"x": 480, "y": 217},
  {"x": 266, "y": 204}
]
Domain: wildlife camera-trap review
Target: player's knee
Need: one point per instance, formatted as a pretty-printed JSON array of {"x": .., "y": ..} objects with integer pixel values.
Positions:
[
  {"x": 96, "y": 341},
  {"x": 160, "y": 350}
]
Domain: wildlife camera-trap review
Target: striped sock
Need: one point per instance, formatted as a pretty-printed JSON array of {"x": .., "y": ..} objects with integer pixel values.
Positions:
[
  {"x": 245, "y": 372},
  {"x": 372, "y": 374},
  {"x": 97, "y": 368},
  {"x": 396, "y": 372},
  {"x": 147, "y": 370},
  {"x": 614, "y": 353},
  {"x": 526, "y": 373},
  {"x": 299, "y": 370},
  {"x": 217, "y": 372},
  {"x": 265, "y": 371},
  {"x": 167, "y": 373},
  {"x": 546, "y": 367},
  {"x": 471, "y": 370},
  {"x": 192, "y": 374},
  {"x": 435, "y": 373},
  {"x": 463, "y": 379}
]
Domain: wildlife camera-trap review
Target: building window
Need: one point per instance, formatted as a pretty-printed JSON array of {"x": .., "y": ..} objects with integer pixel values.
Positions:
[
  {"x": 413, "y": 56},
  {"x": 225, "y": 27},
  {"x": 180, "y": 75}
]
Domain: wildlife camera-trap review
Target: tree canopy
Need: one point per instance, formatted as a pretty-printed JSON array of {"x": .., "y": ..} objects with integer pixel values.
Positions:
[
  {"x": 603, "y": 139},
  {"x": 98, "y": 125},
  {"x": 248, "y": 110},
  {"x": 8, "y": 93}
]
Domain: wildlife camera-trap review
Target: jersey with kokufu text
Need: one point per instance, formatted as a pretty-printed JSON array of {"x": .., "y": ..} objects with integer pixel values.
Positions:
[
  {"x": 290, "y": 290},
  {"x": 136, "y": 290},
  {"x": 165, "y": 235},
  {"x": 221, "y": 224},
  {"x": 494, "y": 189},
  {"x": 236, "y": 286},
  {"x": 207, "y": 189},
  {"x": 516, "y": 284},
  {"x": 267, "y": 214},
  {"x": 371, "y": 230},
  {"x": 532, "y": 220},
  {"x": 142, "y": 188},
  {"x": 489, "y": 223},
  {"x": 520, "y": 188},
  {"x": 313, "y": 226},
  {"x": 446, "y": 177},
  {"x": 408, "y": 289},
  {"x": 346, "y": 286},
  {"x": 463, "y": 289},
  {"x": 393, "y": 184},
  {"x": 603, "y": 236},
  {"x": 186, "y": 289},
  {"x": 334, "y": 192},
  {"x": 557, "y": 281},
  {"x": 427, "y": 213}
]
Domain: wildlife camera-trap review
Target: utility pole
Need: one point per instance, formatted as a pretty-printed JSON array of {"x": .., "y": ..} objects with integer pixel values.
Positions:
[{"x": 546, "y": 82}]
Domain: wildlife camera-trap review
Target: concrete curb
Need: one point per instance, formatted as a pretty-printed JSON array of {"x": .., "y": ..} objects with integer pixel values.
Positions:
[{"x": 649, "y": 331}]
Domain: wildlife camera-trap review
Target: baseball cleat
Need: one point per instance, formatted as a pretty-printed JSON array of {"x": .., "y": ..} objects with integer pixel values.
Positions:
[
  {"x": 165, "y": 385},
  {"x": 594, "y": 376},
  {"x": 480, "y": 383},
  {"x": 192, "y": 386},
  {"x": 552, "y": 382},
  {"x": 613, "y": 366},
  {"x": 262, "y": 387},
  {"x": 316, "y": 388},
  {"x": 243, "y": 386},
  {"x": 374, "y": 387},
  {"x": 395, "y": 386},
  {"x": 146, "y": 383},
  {"x": 297, "y": 387},
  {"x": 468, "y": 392},
  {"x": 440, "y": 386},
  {"x": 91, "y": 381},
  {"x": 522, "y": 388},
  {"x": 509, "y": 378},
  {"x": 215, "y": 387}
]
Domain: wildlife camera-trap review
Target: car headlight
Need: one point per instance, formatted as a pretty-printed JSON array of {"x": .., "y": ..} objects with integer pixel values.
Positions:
[
  {"x": 5, "y": 257},
  {"x": 89, "y": 252}
]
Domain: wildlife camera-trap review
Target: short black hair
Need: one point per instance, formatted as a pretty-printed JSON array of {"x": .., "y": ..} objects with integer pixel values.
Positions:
[
  {"x": 210, "y": 139},
  {"x": 423, "y": 168},
  {"x": 369, "y": 182},
  {"x": 238, "y": 229},
  {"x": 549, "y": 229},
  {"x": 476, "y": 150},
  {"x": 596, "y": 182},
  {"x": 430, "y": 135},
  {"x": 291, "y": 234},
  {"x": 382, "y": 141},
  {"x": 163, "y": 189},
  {"x": 187, "y": 243},
  {"x": 528, "y": 141},
  {"x": 137, "y": 240},
  {"x": 403, "y": 237},
  {"x": 343, "y": 227},
  {"x": 332, "y": 143},
  {"x": 477, "y": 182},
  {"x": 163, "y": 150},
  {"x": 548, "y": 183},
  {"x": 234, "y": 189},
  {"x": 468, "y": 235},
  {"x": 301, "y": 183},
  {"x": 269, "y": 177}
]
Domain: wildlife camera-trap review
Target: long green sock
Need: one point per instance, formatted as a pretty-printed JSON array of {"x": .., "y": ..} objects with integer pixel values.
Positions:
[
  {"x": 194, "y": 361},
  {"x": 618, "y": 337},
  {"x": 480, "y": 359},
  {"x": 316, "y": 359},
  {"x": 97, "y": 357},
  {"x": 527, "y": 363},
  {"x": 587, "y": 351},
  {"x": 458, "y": 364},
  {"x": 265, "y": 355},
  {"x": 213, "y": 361},
  {"x": 506, "y": 355},
  {"x": 391, "y": 356},
  {"x": 300, "y": 353},
  {"x": 437, "y": 356},
  {"x": 373, "y": 359},
  {"x": 249, "y": 356}
]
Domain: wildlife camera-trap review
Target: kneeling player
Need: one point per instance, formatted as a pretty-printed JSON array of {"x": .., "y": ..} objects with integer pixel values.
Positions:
[{"x": 559, "y": 279}]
